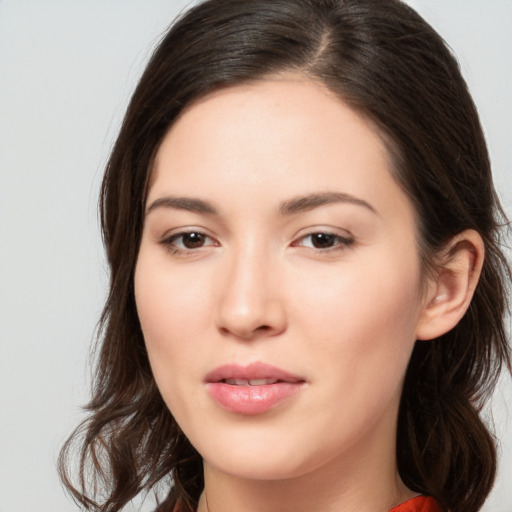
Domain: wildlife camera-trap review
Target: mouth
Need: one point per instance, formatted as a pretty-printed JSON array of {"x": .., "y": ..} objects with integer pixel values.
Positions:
[
  {"x": 250, "y": 382},
  {"x": 254, "y": 374},
  {"x": 252, "y": 389}
]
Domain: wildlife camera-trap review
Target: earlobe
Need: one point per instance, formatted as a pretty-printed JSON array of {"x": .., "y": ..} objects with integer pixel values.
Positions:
[{"x": 451, "y": 289}]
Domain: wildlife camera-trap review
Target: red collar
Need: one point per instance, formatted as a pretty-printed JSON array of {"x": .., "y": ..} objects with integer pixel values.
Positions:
[{"x": 418, "y": 504}]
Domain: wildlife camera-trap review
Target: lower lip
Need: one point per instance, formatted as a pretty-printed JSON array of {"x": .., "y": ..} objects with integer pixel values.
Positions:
[{"x": 251, "y": 399}]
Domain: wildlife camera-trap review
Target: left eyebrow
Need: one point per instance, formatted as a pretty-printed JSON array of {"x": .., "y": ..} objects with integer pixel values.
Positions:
[{"x": 309, "y": 202}]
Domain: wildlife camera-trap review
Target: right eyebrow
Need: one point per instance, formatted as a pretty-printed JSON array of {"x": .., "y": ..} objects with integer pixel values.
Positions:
[{"x": 182, "y": 203}]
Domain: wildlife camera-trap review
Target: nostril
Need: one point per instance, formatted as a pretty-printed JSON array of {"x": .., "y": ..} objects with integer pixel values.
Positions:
[
  {"x": 245, "y": 319},
  {"x": 247, "y": 333}
]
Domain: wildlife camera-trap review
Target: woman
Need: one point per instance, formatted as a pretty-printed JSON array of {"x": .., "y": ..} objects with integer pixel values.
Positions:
[{"x": 307, "y": 287}]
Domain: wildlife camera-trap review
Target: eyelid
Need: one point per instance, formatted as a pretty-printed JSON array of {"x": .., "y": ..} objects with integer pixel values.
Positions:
[
  {"x": 170, "y": 237},
  {"x": 343, "y": 240}
]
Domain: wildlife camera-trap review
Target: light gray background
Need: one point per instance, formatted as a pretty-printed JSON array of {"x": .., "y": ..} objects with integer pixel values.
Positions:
[{"x": 67, "y": 68}]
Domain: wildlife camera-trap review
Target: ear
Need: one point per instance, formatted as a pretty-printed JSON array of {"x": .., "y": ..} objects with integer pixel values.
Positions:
[{"x": 451, "y": 289}]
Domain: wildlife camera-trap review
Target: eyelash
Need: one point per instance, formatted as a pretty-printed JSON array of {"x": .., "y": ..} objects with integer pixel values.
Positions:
[
  {"x": 169, "y": 243},
  {"x": 339, "y": 242}
]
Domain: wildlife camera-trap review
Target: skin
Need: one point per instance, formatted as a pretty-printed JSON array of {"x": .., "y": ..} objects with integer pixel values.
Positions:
[{"x": 253, "y": 287}]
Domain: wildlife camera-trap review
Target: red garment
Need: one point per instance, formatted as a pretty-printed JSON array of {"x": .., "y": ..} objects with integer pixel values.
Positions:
[{"x": 418, "y": 504}]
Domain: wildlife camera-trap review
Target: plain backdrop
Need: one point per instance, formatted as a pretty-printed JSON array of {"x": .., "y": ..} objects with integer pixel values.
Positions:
[{"x": 67, "y": 68}]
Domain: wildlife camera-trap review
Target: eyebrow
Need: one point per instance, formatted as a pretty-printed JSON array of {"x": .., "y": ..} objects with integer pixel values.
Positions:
[
  {"x": 183, "y": 203},
  {"x": 312, "y": 201},
  {"x": 289, "y": 207}
]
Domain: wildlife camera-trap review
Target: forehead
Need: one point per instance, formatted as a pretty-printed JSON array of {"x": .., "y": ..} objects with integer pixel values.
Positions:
[
  {"x": 272, "y": 111},
  {"x": 280, "y": 136}
]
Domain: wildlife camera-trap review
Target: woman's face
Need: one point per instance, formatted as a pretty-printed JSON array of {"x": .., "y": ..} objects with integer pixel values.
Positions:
[{"x": 278, "y": 281}]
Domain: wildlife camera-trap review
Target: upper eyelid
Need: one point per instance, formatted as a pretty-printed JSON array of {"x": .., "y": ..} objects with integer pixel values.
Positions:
[
  {"x": 330, "y": 230},
  {"x": 339, "y": 237},
  {"x": 174, "y": 232},
  {"x": 183, "y": 233},
  {"x": 169, "y": 238}
]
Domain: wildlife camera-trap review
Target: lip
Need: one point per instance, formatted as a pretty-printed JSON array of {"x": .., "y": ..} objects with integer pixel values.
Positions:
[{"x": 246, "y": 398}]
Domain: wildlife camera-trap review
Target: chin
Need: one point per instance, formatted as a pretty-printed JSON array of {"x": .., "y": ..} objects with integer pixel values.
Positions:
[
  {"x": 259, "y": 466},
  {"x": 264, "y": 455}
]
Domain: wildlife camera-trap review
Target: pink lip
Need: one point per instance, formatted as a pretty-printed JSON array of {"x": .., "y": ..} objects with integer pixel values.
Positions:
[{"x": 251, "y": 399}]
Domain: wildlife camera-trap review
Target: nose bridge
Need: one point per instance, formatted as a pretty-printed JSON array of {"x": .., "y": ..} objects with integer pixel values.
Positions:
[{"x": 249, "y": 300}]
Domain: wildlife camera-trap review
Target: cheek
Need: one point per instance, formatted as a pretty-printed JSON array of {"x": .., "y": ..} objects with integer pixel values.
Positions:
[
  {"x": 359, "y": 333},
  {"x": 367, "y": 299},
  {"x": 169, "y": 313},
  {"x": 172, "y": 312},
  {"x": 170, "y": 303},
  {"x": 363, "y": 320}
]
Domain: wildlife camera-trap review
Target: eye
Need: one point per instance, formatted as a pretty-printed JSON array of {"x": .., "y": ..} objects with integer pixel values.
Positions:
[
  {"x": 187, "y": 241},
  {"x": 324, "y": 241}
]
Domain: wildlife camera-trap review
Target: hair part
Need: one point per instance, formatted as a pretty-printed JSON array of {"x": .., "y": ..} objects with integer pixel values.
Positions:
[{"x": 389, "y": 65}]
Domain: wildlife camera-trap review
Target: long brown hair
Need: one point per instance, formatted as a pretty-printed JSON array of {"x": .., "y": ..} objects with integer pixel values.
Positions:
[{"x": 386, "y": 62}]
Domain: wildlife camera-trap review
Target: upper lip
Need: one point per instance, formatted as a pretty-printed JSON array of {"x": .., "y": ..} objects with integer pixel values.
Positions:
[{"x": 252, "y": 371}]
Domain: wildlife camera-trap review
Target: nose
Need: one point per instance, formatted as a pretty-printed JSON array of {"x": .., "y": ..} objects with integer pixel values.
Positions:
[{"x": 251, "y": 304}]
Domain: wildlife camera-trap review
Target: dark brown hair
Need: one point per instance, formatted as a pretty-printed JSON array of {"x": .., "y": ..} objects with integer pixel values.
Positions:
[{"x": 389, "y": 65}]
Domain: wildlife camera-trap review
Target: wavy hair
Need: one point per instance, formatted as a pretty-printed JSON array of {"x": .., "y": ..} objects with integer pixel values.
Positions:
[{"x": 382, "y": 59}]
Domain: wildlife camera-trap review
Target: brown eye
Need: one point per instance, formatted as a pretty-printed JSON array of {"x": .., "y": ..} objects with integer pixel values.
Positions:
[
  {"x": 193, "y": 240},
  {"x": 187, "y": 241},
  {"x": 323, "y": 240}
]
